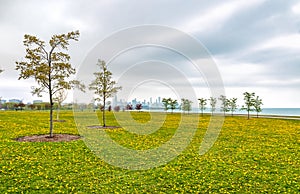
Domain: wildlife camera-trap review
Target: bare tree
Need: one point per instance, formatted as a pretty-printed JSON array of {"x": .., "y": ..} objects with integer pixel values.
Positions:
[{"x": 49, "y": 66}]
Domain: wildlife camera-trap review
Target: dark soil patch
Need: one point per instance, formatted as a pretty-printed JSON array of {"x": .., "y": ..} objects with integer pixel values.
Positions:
[
  {"x": 59, "y": 121},
  {"x": 47, "y": 138},
  {"x": 101, "y": 127}
]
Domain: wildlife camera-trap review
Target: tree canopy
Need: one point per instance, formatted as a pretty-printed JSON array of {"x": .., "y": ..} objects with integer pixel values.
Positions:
[
  {"x": 232, "y": 105},
  {"x": 49, "y": 66},
  {"x": 257, "y": 105},
  {"x": 186, "y": 105},
  {"x": 249, "y": 102},
  {"x": 165, "y": 102},
  {"x": 224, "y": 104},
  {"x": 169, "y": 103},
  {"x": 103, "y": 85},
  {"x": 202, "y": 103},
  {"x": 212, "y": 102}
]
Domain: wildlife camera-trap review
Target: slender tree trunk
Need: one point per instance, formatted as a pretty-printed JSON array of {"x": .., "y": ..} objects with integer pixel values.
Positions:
[
  {"x": 248, "y": 114},
  {"x": 50, "y": 93},
  {"x": 57, "y": 115},
  {"x": 103, "y": 114},
  {"x": 256, "y": 114},
  {"x": 51, "y": 114},
  {"x": 51, "y": 103},
  {"x": 202, "y": 112}
]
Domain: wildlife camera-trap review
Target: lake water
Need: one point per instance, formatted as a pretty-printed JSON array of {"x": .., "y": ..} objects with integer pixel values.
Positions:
[
  {"x": 281, "y": 111},
  {"x": 265, "y": 111},
  {"x": 272, "y": 111}
]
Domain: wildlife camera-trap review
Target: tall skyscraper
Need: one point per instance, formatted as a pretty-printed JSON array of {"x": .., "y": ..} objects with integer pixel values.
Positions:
[{"x": 115, "y": 102}]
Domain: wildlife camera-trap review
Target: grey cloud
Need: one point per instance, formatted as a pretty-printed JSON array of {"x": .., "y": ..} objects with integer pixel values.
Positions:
[
  {"x": 244, "y": 30},
  {"x": 250, "y": 27}
]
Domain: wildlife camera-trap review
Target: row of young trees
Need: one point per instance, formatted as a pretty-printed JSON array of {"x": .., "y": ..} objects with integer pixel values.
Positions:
[
  {"x": 169, "y": 103},
  {"x": 252, "y": 103}
]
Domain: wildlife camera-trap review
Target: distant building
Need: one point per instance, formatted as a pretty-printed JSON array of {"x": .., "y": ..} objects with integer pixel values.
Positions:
[
  {"x": 134, "y": 102},
  {"x": 115, "y": 101},
  {"x": 15, "y": 101},
  {"x": 37, "y": 101}
]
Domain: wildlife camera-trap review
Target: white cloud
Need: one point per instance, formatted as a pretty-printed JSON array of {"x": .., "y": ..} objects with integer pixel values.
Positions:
[
  {"x": 296, "y": 8},
  {"x": 290, "y": 41}
]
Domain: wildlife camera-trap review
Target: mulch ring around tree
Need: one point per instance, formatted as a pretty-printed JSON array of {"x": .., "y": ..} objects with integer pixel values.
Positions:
[
  {"x": 101, "y": 127},
  {"x": 59, "y": 121},
  {"x": 47, "y": 138}
]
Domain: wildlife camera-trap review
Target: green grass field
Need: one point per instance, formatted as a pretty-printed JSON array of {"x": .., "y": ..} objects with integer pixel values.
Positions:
[{"x": 250, "y": 156}]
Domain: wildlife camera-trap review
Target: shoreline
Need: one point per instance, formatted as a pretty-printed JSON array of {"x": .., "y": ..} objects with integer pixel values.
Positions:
[
  {"x": 266, "y": 116},
  {"x": 270, "y": 116},
  {"x": 289, "y": 117}
]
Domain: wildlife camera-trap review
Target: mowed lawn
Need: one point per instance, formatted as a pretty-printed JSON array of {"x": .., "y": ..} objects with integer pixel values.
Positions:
[{"x": 249, "y": 156}]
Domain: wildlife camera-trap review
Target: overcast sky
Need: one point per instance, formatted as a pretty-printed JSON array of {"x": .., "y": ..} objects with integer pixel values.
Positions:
[{"x": 255, "y": 44}]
